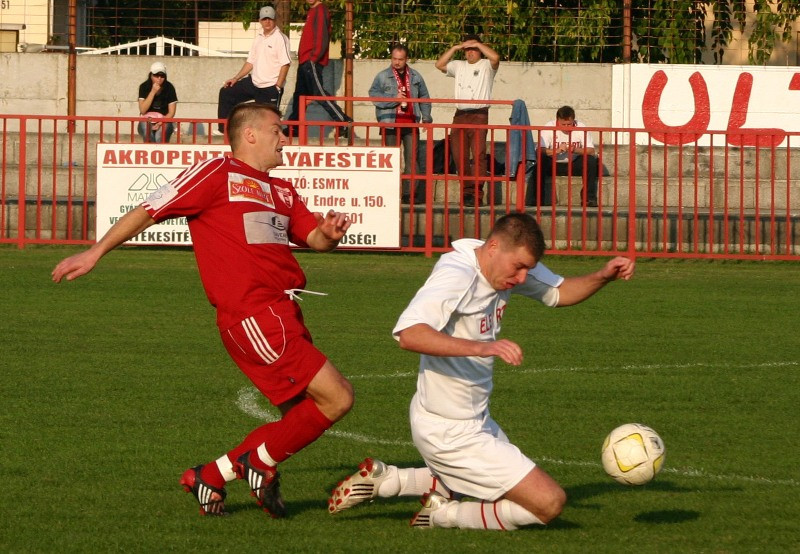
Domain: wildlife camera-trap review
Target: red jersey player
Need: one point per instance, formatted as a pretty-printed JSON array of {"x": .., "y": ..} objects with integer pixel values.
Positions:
[{"x": 242, "y": 221}]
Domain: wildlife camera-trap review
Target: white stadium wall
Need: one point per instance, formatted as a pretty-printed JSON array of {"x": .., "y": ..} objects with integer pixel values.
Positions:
[
  {"x": 107, "y": 85},
  {"x": 603, "y": 95}
]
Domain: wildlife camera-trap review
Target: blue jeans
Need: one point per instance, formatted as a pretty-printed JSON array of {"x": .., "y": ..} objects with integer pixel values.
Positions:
[{"x": 149, "y": 134}]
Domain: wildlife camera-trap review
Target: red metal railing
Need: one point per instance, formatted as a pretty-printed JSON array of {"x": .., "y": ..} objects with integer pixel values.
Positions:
[{"x": 689, "y": 201}]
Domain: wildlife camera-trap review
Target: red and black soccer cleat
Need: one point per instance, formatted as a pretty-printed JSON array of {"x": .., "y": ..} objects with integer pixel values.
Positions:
[
  {"x": 204, "y": 493},
  {"x": 264, "y": 485}
]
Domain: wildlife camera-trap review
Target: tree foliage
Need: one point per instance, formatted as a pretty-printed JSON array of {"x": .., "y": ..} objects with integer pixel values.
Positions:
[{"x": 673, "y": 31}]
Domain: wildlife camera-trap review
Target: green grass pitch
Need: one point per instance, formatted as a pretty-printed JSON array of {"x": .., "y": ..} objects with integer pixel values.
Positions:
[{"x": 114, "y": 384}]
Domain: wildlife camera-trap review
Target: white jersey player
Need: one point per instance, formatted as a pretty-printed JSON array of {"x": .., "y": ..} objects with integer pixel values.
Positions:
[{"x": 453, "y": 322}]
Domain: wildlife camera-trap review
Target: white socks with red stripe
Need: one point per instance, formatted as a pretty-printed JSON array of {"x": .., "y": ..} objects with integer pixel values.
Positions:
[
  {"x": 413, "y": 481},
  {"x": 499, "y": 515}
]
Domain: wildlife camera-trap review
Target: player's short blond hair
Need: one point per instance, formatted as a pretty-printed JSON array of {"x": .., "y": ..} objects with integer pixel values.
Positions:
[{"x": 246, "y": 115}]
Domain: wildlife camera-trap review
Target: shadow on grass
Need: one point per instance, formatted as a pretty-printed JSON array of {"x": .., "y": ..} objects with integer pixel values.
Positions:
[
  {"x": 397, "y": 508},
  {"x": 384, "y": 508},
  {"x": 667, "y": 516},
  {"x": 557, "y": 524},
  {"x": 579, "y": 495}
]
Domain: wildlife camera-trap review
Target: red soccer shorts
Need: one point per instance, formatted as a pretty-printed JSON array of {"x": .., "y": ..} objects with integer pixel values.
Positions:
[{"x": 273, "y": 348}]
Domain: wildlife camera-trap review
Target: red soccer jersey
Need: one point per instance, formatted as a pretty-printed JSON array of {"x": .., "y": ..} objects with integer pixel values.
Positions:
[{"x": 241, "y": 221}]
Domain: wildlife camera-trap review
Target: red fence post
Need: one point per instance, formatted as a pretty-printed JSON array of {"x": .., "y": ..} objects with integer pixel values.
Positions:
[
  {"x": 753, "y": 229},
  {"x": 21, "y": 200},
  {"x": 632, "y": 197},
  {"x": 429, "y": 189}
]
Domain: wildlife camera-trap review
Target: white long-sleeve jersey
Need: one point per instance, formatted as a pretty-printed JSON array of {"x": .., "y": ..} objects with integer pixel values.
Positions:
[{"x": 459, "y": 301}]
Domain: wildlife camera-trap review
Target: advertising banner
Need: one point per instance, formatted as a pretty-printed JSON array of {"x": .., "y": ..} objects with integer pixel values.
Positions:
[
  {"x": 363, "y": 182},
  {"x": 681, "y": 104}
]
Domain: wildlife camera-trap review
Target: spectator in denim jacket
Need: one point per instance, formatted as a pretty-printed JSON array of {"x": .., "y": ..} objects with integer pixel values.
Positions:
[{"x": 399, "y": 81}]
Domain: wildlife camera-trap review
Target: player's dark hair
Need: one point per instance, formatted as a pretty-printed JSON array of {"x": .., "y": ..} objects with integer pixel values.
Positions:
[
  {"x": 565, "y": 112},
  {"x": 398, "y": 46},
  {"x": 246, "y": 114},
  {"x": 520, "y": 229}
]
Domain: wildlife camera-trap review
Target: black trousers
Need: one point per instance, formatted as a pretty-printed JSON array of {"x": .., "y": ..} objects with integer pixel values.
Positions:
[
  {"x": 574, "y": 168},
  {"x": 309, "y": 83},
  {"x": 243, "y": 91}
]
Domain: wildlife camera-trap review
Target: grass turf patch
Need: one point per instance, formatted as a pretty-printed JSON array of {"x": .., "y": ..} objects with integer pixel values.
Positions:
[{"x": 115, "y": 383}]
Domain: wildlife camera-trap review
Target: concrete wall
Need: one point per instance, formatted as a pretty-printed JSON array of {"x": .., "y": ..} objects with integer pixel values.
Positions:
[{"x": 108, "y": 85}]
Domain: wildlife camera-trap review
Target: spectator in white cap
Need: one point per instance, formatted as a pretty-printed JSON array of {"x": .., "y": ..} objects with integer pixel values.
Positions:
[
  {"x": 263, "y": 75},
  {"x": 157, "y": 99}
]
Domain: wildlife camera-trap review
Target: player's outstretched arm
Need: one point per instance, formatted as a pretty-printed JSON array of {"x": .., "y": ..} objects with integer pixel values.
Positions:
[
  {"x": 330, "y": 229},
  {"x": 128, "y": 226},
  {"x": 424, "y": 339},
  {"x": 577, "y": 289}
]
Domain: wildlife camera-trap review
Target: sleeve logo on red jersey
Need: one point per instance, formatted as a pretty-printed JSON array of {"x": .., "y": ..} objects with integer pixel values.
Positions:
[
  {"x": 242, "y": 188},
  {"x": 285, "y": 195}
]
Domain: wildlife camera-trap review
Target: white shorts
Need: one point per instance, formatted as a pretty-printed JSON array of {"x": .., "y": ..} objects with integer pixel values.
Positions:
[{"x": 472, "y": 457}]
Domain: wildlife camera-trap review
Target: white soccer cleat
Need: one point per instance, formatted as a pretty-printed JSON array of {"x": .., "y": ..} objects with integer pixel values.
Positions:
[
  {"x": 362, "y": 485},
  {"x": 431, "y": 502}
]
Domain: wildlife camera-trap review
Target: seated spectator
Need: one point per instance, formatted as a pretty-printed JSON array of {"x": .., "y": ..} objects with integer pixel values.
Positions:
[
  {"x": 157, "y": 99},
  {"x": 263, "y": 75},
  {"x": 399, "y": 81},
  {"x": 569, "y": 150}
]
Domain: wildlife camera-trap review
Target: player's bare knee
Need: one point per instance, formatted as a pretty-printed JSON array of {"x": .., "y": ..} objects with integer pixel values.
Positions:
[
  {"x": 551, "y": 509},
  {"x": 347, "y": 397},
  {"x": 342, "y": 401}
]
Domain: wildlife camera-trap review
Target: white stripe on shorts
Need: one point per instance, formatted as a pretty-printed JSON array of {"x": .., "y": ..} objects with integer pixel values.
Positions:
[{"x": 258, "y": 341}]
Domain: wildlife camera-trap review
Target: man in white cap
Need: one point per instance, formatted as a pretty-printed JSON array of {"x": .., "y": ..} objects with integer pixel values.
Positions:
[
  {"x": 157, "y": 99},
  {"x": 263, "y": 75}
]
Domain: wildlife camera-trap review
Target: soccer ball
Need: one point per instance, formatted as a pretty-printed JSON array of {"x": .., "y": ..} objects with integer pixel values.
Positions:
[{"x": 633, "y": 454}]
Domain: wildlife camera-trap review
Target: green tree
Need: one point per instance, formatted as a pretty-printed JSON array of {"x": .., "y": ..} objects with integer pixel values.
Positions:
[{"x": 674, "y": 31}]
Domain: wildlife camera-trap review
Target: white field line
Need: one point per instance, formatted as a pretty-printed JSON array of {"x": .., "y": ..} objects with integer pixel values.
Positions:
[
  {"x": 686, "y": 472},
  {"x": 249, "y": 397},
  {"x": 532, "y": 370},
  {"x": 248, "y": 402}
]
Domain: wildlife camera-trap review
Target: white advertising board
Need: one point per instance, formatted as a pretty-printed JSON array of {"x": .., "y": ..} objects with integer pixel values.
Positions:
[
  {"x": 362, "y": 182},
  {"x": 681, "y": 104}
]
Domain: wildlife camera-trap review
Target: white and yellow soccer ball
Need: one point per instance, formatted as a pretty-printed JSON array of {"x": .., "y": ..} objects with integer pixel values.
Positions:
[{"x": 633, "y": 454}]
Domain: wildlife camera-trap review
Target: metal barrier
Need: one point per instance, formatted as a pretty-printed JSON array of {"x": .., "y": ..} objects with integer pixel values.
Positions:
[
  {"x": 157, "y": 46},
  {"x": 655, "y": 200}
]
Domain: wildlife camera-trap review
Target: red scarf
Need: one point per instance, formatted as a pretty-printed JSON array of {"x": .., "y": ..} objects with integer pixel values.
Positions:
[{"x": 404, "y": 114}]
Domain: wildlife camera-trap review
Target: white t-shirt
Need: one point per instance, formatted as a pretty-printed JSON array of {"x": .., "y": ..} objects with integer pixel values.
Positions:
[
  {"x": 473, "y": 81},
  {"x": 459, "y": 301},
  {"x": 573, "y": 137},
  {"x": 268, "y": 54}
]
